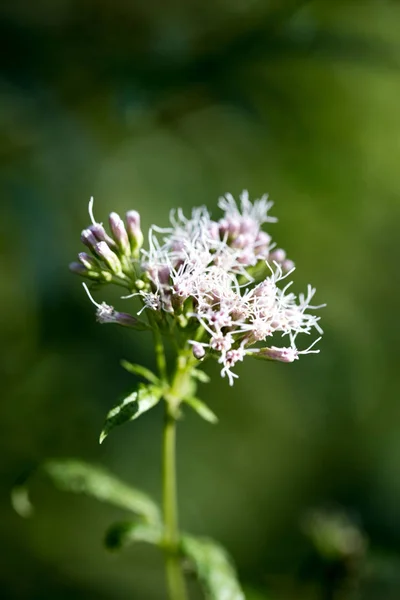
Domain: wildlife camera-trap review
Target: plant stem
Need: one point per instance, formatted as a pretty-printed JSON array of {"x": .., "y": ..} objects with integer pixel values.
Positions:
[
  {"x": 175, "y": 579},
  {"x": 160, "y": 354}
]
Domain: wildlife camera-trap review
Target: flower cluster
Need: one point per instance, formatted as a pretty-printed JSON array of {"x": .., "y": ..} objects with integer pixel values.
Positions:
[{"x": 218, "y": 281}]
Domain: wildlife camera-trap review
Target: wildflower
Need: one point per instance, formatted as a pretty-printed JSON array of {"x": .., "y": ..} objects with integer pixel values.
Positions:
[{"x": 224, "y": 279}]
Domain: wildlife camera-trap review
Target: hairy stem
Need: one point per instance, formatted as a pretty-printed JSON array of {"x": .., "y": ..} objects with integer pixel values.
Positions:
[{"x": 175, "y": 579}]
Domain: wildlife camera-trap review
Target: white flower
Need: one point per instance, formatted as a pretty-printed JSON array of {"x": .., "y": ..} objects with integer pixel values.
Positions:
[{"x": 203, "y": 270}]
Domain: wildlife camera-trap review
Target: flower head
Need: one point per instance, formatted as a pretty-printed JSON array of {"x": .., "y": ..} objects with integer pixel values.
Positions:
[{"x": 222, "y": 283}]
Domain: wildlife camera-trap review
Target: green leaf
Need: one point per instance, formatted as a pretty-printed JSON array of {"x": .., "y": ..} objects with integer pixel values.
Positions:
[
  {"x": 141, "y": 371},
  {"x": 75, "y": 476},
  {"x": 202, "y": 409},
  {"x": 200, "y": 376},
  {"x": 131, "y": 408},
  {"x": 20, "y": 501},
  {"x": 213, "y": 567},
  {"x": 123, "y": 534}
]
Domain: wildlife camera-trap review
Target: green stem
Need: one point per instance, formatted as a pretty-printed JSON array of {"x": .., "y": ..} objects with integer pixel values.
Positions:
[
  {"x": 175, "y": 579},
  {"x": 159, "y": 350}
]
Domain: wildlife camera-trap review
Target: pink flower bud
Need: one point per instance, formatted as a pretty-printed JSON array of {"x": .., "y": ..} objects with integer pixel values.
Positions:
[
  {"x": 287, "y": 265},
  {"x": 198, "y": 351},
  {"x": 101, "y": 235},
  {"x": 119, "y": 233},
  {"x": 109, "y": 257},
  {"x": 278, "y": 255},
  {"x": 262, "y": 243},
  {"x": 79, "y": 269},
  {"x": 88, "y": 238},
  {"x": 286, "y": 355},
  {"x": 88, "y": 261},
  {"x": 134, "y": 231}
]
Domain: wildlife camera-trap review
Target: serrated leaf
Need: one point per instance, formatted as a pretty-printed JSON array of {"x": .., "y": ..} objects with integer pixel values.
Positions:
[
  {"x": 123, "y": 534},
  {"x": 79, "y": 477},
  {"x": 202, "y": 409},
  {"x": 141, "y": 371},
  {"x": 213, "y": 567},
  {"x": 131, "y": 408},
  {"x": 200, "y": 376}
]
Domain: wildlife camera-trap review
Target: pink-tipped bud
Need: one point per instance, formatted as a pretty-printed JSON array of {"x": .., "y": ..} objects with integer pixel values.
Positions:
[
  {"x": 88, "y": 261},
  {"x": 287, "y": 265},
  {"x": 278, "y": 255},
  {"x": 262, "y": 243},
  {"x": 286, "y": 355},
  {"x": 109, "y": 257},
  {"x": 119, "y": 233},
  {"x": 198, "y": 351},
  {"x": 134, "y": 231},
  {"x": 88, "y": 238},
  {"x": 79, "y": 269},
  {"x": 101, "y": 235}
]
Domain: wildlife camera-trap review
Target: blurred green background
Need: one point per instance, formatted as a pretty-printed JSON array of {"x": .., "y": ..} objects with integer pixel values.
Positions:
[{"x": 151, "y": 105}]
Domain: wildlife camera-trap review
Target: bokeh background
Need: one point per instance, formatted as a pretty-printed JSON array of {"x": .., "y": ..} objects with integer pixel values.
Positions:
[{"x": 151, "y": 105}]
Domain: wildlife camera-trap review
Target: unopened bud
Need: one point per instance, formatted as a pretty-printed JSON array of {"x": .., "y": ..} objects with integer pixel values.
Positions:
[
  {"x": 119, "y": 233},
  {"x": 101, "y": 235},
  {"x": 80, "y": 269},
  {"x": 134, "y": 231},
  {"x": 109, "y": 257},
  {"x": 286, "y": 355},
  {"x": 287, "y": 265},
  {"x": 278, "y": 255},
  {"x": 88, "y": 261},
  {"x": 263, "y": 238},
  {"x": 140, "y": 284},
  {"x": 198, "y": 351},
  {"x": 88, "y": 238},
  {"x": 262, "y": 244},
  {"x": 106, "y": 276}
]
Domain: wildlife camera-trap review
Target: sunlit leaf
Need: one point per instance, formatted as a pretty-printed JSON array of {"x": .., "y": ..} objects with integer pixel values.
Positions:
[
  {"x": 131, "y": 408},
  {"x": 75, "y": 476},
  {"x": 202, "y": 409},
  {"x": 123, "y": 534},
  {"x": 20, "y": 501},
  {"x": 213, "y": 567},
  {"x": 141, "y": 371}
]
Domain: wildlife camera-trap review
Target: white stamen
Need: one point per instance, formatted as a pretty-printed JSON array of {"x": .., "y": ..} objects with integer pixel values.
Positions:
[
  {"x": 90, "y": 210},
  {"x": 93, "y": 301}
]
